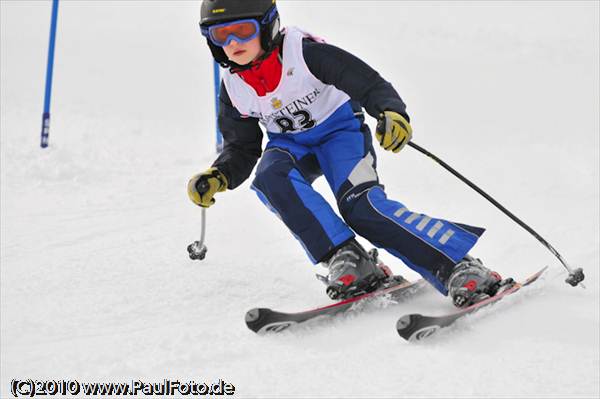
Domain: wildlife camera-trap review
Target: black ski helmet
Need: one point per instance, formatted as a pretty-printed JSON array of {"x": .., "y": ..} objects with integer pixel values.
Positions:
[{"x": 264, "y": 11}]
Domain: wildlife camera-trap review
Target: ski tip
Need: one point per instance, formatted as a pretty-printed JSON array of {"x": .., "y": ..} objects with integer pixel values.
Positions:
[
  {"x": 534, "y": 277},
  {"x": 264, "y": 320},
  {"x": 406, "y": 325},
  {"x": 254, "y": 318},
  {"x": 403, "y": 322},
  {"x": 410, "y": 329},
  {"x": 252, "y": 315}
]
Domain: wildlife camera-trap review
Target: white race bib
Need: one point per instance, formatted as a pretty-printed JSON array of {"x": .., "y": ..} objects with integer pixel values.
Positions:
[{"x": 300, "y": 102}]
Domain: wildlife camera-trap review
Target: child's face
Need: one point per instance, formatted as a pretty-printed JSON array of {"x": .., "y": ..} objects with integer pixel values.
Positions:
[{"x": 243, "y": 53}]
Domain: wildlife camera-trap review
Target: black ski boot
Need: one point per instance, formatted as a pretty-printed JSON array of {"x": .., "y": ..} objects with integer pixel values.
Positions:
[
  {"x": 471, "y": 282},
  {"x": 353, "y": 271}
]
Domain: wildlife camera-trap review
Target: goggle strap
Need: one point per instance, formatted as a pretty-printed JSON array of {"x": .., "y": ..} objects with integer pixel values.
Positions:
[
  {"x": 270, "y": 15},
  {"x": 204, "y": 30}
]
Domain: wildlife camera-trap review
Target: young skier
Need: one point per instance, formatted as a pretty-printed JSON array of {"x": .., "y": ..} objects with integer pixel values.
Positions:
[{"x": 309, "y": 96}]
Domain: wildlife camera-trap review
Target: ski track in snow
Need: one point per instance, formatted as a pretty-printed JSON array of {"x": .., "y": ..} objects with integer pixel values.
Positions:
[{"x": 96, "y": 284}]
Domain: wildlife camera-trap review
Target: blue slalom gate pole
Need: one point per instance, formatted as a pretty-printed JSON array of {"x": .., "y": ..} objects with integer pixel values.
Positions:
[
  {"x": 217, "y": 77},
  {"x": 49, "y": 69}
]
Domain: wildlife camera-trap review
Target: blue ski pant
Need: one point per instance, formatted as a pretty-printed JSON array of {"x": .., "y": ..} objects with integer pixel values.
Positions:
[{"x": 341, "y": 149}]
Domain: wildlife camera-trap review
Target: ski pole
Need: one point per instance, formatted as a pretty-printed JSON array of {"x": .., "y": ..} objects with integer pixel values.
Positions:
[
  {"x": 49, "y": 69},
  {"x": 575, "y": 277},
  {"x": 197, "y": 249}
]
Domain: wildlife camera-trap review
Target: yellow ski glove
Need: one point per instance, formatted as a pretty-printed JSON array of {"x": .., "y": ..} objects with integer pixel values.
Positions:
[
  {"x": 203, "y": 187},
  {"x": 393, "y": 131}
]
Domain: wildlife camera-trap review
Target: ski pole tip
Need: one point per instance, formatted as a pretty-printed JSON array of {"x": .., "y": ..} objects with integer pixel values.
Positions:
[{"x": 575, "y": 278}]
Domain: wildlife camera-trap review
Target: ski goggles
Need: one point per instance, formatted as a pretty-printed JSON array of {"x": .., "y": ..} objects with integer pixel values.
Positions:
[{"x": 241, "y": 31}]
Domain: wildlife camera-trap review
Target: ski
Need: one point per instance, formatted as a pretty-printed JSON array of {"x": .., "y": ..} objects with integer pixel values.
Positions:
[
  {"x": 416, "y": 327},
  {"x": 263, "y": 320}
]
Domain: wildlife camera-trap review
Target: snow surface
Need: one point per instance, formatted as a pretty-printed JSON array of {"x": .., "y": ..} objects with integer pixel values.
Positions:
[{"x": 96, "y": 284}]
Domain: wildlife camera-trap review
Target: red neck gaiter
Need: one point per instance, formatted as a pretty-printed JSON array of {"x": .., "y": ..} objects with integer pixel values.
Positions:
[{"x": 265, "y": 75}]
